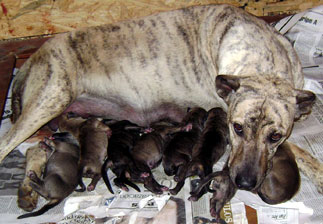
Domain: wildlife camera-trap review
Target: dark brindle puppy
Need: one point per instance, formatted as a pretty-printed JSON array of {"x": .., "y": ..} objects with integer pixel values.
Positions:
[
  {"x": 124, "y": 135},
  {"x": 280, "y": 184},
  {"x": 210, "y": 146},
  {"x": 178, "y": 152},
  {"x": 150, "y": 68},
  {"x": 61, "y": 172},
  {"x": 148, "y": 150}
]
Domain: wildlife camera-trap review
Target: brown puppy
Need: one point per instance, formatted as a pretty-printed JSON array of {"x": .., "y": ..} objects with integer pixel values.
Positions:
[
  {"x": 92, "y": 135},
  {"x": 283, "y": 180},
  {"x": 147, "y": 152},
  {"x": 280, "y": 184},
  {"x": 148, "y": 149},
  {"x": 61, "y": 172},
  {"x": 35, "y": 160},
  {"x": 178, "y": 152},
  {"x": 70, "y": 122},
  {"x": 93, "y": 139}
]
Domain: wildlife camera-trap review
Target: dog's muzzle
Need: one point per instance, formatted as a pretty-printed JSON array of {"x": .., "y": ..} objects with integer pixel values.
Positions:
[{"x": 245, "y": 182}]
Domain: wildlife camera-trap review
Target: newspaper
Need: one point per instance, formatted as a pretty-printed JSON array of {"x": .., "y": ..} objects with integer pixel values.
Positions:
[{"x": 305, "y": 31}]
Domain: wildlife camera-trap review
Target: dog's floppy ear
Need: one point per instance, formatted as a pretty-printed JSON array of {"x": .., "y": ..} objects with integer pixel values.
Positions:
[
  {"x": 226, "y": 84},
  {"x": 304, "y": 102}
]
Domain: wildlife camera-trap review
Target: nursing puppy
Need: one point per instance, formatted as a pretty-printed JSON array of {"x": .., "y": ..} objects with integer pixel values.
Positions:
[
  {"x": 92, "y": 135},
  {"x": 280, "y": 184},
  {"x": 93, "y": 139},
  {"x": 35, "y": 160},
  {"x": 148, "y": 151},
  {"x": 210, "y": 146},
  {"x": 61, "y": 175},
  {"x": 70, "y": 122},
  {"x": 178, "y": 152},
  {"x": 147, "y": 69},
  {"x": 123, "y": 138}
]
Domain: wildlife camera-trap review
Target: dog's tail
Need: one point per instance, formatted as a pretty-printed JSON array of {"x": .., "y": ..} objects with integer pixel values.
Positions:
[
  {"x": 17, "y": 90},
  {"x": 41, "y": 211}
]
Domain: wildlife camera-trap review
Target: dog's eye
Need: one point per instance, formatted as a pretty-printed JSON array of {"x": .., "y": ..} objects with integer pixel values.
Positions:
[
  {"x": 238, "y": 128},
  {"x": 275, "y": 137}
]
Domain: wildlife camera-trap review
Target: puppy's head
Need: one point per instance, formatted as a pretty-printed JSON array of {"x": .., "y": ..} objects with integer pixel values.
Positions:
[{"x": 261, "y": 114}]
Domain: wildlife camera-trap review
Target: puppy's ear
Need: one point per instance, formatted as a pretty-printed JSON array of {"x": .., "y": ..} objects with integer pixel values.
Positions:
[
  {"x": 304, "y": 102},
  {"x": 226, "y": 84}
]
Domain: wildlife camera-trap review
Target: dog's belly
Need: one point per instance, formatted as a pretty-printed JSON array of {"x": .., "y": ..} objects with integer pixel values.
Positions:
[{"x": 121, "y": 110}]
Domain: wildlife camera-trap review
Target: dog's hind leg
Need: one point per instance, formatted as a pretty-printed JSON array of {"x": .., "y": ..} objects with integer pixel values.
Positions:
[
  {"x": 45, "y": 94},
  {"x": 308, "y": 165}
]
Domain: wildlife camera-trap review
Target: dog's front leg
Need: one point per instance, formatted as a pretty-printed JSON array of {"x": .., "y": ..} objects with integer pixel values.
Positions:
[{"x": 308, "y": 165}]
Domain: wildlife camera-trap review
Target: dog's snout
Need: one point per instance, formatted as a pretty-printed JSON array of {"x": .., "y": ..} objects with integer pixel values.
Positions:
[{"x": 245, "y": 182}]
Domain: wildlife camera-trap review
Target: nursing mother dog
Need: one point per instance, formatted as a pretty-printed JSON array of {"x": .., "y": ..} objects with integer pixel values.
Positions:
[{"x": 155, "y": 67}]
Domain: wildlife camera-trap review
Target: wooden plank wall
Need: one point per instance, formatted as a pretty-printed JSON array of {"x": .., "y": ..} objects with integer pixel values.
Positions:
[{"x": 25, "y": 18}]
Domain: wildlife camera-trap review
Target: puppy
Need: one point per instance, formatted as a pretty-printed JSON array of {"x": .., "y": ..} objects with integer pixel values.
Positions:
[
  {"x": 93, "y": 139},
  {"x": 92, "y": 135},
  {"x": 283, "y": 180},
  {"x": 148, "y": 149},
  {"x": 119, "y": 158},
  {"x": 178, "y": 152},
  {"x": 147, "y": 152},
  {"x": 60, "y": 177},
  {"x": 70, "y": 122},
  {"x": 35, "y": 160},
  {"x": 210, "y": 146}
]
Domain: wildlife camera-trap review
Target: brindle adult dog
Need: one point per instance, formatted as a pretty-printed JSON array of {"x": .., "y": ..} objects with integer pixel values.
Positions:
[{"x": 147, "y": 69}]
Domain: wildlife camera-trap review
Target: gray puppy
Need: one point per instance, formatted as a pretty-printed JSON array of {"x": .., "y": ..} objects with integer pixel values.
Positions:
[{"x": 61, "y": 174}]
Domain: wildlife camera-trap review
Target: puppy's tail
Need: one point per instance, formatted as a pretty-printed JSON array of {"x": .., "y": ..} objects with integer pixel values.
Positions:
[
  {"x": 107, "y": 163},
  {"x": 41, "y": 211},
  {"x": 129, "y": 183}
]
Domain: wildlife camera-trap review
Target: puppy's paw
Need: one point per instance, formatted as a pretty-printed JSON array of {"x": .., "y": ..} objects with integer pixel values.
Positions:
[
  {"x": 27, "y": 198},
  {"x": 31, "y": 174},
  {"x": 144, "y": 174}
]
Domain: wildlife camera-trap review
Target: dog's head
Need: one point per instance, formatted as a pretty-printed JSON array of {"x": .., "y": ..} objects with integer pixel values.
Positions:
[{"x": 261, "y": 113}]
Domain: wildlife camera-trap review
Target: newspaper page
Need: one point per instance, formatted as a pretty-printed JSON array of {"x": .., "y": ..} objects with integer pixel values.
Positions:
[{"x": 305, "y": 31}]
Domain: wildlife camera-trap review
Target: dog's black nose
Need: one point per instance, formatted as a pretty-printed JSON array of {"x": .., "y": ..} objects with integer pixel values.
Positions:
[{"x": 245, "y": 182}]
